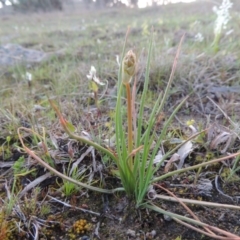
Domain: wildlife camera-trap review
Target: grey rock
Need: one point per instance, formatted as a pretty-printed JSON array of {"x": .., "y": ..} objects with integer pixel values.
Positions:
[{"x": 14, "y": 54}]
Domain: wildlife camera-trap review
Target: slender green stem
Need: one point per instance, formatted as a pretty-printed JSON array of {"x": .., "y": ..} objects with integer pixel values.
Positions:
[
  {"x": 194, "y": 167},
  {"x": 216, "y": 41},
  {"x": 12, "y": 199},
  {"x": 129, "y": 118},
  {"x": 160, "y": 210},
  {"x": 96, "y": 99},
  {"x": 196, "y": 202}
]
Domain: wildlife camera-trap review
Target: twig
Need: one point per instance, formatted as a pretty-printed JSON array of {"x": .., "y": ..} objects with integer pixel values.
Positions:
[
  {"x": 34, "y": 183},
  {"x": 70, "y": 206}
]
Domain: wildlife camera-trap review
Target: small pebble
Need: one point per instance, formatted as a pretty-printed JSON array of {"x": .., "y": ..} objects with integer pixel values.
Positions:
[
  {"x": 167, "y": 218},
  {"x": 131, "y": 233},
  {"x": 154, "y": 233},
  {"x": 151, "y": 235},
  {"x": 85, "y": 238}
]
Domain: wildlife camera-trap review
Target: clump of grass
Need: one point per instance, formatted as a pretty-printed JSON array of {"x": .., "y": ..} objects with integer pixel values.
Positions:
[
  {"x": 70, "y": 188},
  {"x": 136, "y": 166}
]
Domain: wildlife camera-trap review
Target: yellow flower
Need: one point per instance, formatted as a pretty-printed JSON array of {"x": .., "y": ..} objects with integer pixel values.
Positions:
[
  {"x": 190, "y": 122},
  {"x": 128, "y": 67}
]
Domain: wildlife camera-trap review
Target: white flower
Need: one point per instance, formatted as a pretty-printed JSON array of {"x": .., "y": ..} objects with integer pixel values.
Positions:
[
  {"x": 92, "y": 76},
  {"x": 28, "y": 76},
  {"x": 222, "y": 16},
  {"x": 198, "y": 37}
]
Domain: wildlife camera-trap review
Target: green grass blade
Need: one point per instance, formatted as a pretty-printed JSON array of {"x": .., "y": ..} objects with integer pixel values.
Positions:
[{"x": 145, "y": 88}]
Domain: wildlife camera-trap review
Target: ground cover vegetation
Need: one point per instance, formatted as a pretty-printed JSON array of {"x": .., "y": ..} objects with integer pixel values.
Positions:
[{"x": 130, "y": 133}]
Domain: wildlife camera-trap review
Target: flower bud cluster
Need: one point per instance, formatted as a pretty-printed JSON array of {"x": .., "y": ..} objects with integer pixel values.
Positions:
[
  {"x": 128, "y": 67},
  {"x": 223, "y": 16}
]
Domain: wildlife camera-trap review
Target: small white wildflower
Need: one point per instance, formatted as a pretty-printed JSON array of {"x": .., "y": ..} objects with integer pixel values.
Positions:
[
  {"x": 92, "y": 73},
  {"x": 28, "y": 76},
  {"x": 223, "y": 16},
  {"x": 198, "y": 37},
  {"x": 92, "y": 76}
]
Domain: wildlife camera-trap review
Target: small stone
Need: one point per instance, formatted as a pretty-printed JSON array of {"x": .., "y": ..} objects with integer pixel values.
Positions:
[
  {"x": 167, "y": 218},
  {"x": 151, "y": 235},
  {"x": 85, "y": 238},
  {"x": 131, "y": 233},
  {"x": 154, "y": 233}
]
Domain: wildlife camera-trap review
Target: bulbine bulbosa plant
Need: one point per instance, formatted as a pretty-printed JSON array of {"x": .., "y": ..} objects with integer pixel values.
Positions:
[{"x": 135, "y": 158}]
